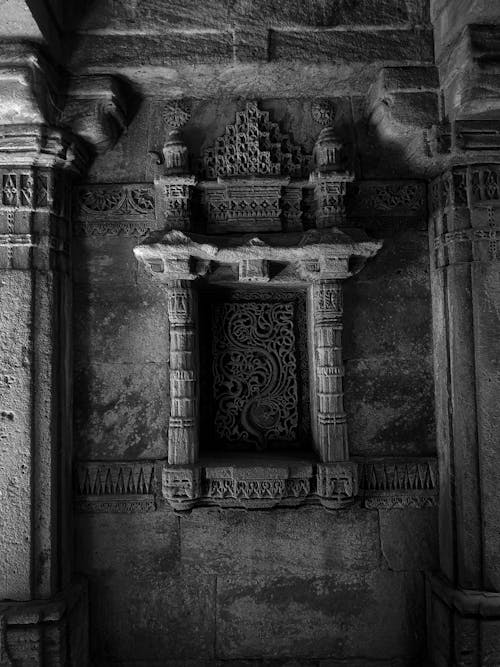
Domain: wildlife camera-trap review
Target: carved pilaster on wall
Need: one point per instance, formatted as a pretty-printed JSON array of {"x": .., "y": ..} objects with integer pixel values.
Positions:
[
  {"x": 329, "y": 423},
  {"x": 184, "y": 373},
  {"x": 34, "y": 210}
]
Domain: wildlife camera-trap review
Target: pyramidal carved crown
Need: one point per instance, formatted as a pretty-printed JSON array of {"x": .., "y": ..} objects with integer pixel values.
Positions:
[{"x": 255, "y": 146}]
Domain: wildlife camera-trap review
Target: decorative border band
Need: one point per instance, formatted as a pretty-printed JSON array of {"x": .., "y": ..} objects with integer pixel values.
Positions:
[
  {"x": 134, "y": 486},
  {"x": 129, "y": 209}
]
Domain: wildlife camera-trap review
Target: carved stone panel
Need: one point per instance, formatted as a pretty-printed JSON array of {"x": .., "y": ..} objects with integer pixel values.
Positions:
[{"x": 255, "y": 368}]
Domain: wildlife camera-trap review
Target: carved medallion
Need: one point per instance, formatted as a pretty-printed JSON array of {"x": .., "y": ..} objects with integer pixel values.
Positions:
[
  {"x": 176, "y": 114},
  {"x": 323, "y": 112}
]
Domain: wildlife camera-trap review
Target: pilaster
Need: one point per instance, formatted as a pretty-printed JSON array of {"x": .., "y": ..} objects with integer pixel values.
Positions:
[
  {"x": 465, "y": 275},
  {"x": 39, "y": 159}
]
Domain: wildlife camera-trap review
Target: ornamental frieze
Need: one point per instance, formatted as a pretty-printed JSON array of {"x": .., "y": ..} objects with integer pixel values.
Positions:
[
  {"x": 136, "y": 486},
  {"x": 131, "y": 210}
]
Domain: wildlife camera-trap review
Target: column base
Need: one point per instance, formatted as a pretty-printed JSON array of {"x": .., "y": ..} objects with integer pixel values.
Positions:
[
  {"x": 463, "y": 625},
  {"x": 182, "y": 486},
  {"x": 337, "y": 484},
  {"x": 46, "y": 632}
]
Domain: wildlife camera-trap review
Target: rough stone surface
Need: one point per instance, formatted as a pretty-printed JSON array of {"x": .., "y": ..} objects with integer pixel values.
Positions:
[
  {"x": 229, "y": 585},
  {"x": 292, "y": 586}
]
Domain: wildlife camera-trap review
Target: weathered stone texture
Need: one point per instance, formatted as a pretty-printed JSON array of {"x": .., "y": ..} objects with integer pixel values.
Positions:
[
  {"x": 143, "y": 607},
  {"x": 16, "y": 466},
  {"x": 273, "y": 543},
  {"x": 231, "y": 585},
  {"x": 449, "y": 17},
  {"x": 319, "y": 617},
  {"x": 388, "y": 382}
]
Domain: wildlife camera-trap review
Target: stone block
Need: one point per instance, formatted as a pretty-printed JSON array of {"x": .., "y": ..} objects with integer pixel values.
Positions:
[
  {"x": 104, "y": 261},
  {"x": 279, "y": 543},
  {"x": 390, "y": 406},
  {"x": 141, "y": 607},
  {"x": 123, "y": 324},
  {"x": 451, "y": 16},
  {"x": 316, "y": 13},
  {"x": 343, "y": 615},
  {"x": 411, "y": 78},
  {"x": 121, "y": 410},
  {"x": 327, "y": 46},
  {"x": 187, "y": 47},
  {"x": 409, "y": 539}
]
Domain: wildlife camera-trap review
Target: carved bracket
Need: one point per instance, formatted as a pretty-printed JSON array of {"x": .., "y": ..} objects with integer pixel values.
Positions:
[{"x": 96, "y": 109}]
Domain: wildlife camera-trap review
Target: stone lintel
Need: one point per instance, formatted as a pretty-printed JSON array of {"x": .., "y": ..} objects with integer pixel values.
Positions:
[{"x": 185, "y": 256}]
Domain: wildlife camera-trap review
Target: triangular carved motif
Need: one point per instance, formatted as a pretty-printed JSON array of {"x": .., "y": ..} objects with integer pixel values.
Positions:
[{"x": 254, "y": 146}]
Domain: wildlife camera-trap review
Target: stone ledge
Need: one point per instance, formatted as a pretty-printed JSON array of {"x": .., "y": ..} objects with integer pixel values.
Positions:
[{"x": 134, "y": 486}]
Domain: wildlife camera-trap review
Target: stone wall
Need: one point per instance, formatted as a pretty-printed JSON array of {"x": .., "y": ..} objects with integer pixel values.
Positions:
[{"x": 240, "y": 586}]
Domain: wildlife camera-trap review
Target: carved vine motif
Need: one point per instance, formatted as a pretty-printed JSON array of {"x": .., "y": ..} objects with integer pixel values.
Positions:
[
  {"x": 254, "y": 146},
  {"x": 116, "y": 200},
  {"x": 255, "y": 372}
]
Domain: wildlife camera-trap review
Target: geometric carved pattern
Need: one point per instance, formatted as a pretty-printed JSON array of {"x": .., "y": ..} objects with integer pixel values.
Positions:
[
  {"x": 130, "y": 486},
  {"x": 403, "y": 199},
  {"x": 114, "y": 486},
  {"x": 466, "y": 186},
  {"x": 398, "y": 483},
  {"x": 254, "y": 146},
  {"x": 255, "y": 372},
  {"x": 24, "y": 190}
]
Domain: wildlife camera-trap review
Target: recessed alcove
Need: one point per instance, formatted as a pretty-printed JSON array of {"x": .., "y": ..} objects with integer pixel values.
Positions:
[
  {"x": 255, "y": 316},
  {"x": 254, "y": 371}
]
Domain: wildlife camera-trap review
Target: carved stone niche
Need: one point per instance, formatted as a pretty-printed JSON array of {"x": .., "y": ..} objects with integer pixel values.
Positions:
[{"x": 256, "y": 375}]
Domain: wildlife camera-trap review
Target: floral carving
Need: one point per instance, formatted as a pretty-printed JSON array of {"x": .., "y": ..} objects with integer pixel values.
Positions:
[
  {"x": 176, "y": 114},
  {"x": 122, "y": 200},
  {"x": 323, "y": 112}
]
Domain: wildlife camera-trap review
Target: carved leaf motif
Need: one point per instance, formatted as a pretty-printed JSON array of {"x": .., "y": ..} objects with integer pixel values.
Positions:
[
  {"x": 101, "y": 200},
  {"x": 254, "y": 366}
]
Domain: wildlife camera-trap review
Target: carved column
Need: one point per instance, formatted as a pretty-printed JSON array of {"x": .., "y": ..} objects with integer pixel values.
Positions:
[
  {"x": 464, "y": 600},
  {"x": 43, "y": 613},
  {"x": 337, "y": 477},
  {"x": 184, "y": 370}
]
